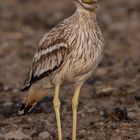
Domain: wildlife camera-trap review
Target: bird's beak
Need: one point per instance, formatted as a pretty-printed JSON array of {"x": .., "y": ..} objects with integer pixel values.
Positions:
[{"x": 88, "y": 1}]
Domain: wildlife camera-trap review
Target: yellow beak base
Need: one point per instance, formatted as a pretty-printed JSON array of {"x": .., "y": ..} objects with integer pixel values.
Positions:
[{"x": 88, "y": 1}]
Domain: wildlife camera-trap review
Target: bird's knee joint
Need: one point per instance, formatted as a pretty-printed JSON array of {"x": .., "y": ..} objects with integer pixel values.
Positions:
[
  {"x": 75, "y": 103},
  {"x": 56, "y": 103}
]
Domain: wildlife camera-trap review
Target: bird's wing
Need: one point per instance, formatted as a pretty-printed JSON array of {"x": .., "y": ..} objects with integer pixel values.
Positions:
[{"x": 49, "y": 57}]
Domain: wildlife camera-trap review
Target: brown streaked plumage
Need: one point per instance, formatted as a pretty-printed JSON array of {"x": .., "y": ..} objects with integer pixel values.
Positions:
[{"x": 69, "y": 53}]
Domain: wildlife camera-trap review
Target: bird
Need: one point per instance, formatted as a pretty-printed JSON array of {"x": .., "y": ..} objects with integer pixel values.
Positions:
[{"x": 69, "y": 53}]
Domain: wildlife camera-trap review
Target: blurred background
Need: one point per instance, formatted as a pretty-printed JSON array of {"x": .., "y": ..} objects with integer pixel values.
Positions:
[{"x": 109, "y": 106}]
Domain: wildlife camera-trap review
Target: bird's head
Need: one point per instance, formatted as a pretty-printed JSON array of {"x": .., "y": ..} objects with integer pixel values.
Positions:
[{"x": 90, "y": 5}]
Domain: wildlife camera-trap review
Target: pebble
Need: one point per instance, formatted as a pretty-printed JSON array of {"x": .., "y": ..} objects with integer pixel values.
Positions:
[
  {"x": 119, "y": 114},
  {"x": 17, "y": 135},
  {"x": 107, "y": 90},
  {"x": 100, "y": 72},
  {"x": 116, "y": 137},
  {"x": 7, "y": 88},
  {"x": 8, "y": 103},
  {"x": 131, "y": 115},
  {"x": 44, "y": 135}
]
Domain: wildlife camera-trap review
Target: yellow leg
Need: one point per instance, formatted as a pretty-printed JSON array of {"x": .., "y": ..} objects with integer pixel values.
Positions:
[
  {"x": 74, "y": 108},
  {"x": 56, "y": 103}
]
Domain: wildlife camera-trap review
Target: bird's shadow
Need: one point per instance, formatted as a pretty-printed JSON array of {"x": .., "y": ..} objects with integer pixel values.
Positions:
[
  {"x": 10, "y": 109},
  {"x": 46, "y": 105}
]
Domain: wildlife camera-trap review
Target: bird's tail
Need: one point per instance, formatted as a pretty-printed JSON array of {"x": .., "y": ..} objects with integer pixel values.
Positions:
[
  {"x": 34, "y": 96},
  {"x": 26, "y": 109}
]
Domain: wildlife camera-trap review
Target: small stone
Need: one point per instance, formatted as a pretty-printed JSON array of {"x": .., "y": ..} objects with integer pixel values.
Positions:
[
  {"x": 8, "y": 103},
  {"x": 116, "y": 137},
  {"x": 131, "y": 115},
  {"x": 103, "y": 114},
  {"x": 107, "y": 90},
  {"x": 7, "y": 88},
  {"x": 100, "y": 72},
  {"x": 119, "y": 114},
  {"x": 18, "y": 135},
  {"x": 44, "y": 135}
]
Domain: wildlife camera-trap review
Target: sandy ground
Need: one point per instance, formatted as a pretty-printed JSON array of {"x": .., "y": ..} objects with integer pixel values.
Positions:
[{"x": 109, "y": 106}]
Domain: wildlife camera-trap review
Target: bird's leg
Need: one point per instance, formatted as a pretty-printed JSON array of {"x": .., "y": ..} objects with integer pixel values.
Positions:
[
  {"x": 74, "y": 108},
  {"x": 56, "y": 103}
]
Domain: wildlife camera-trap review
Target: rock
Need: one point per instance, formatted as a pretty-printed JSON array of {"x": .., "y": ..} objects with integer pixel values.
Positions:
[
  {"x": 8, "y": 103},
  {"x": 119, "y": 114},
  {"x": 18, "y": 135},
  {"x": 131, "y": 115},
  {"x": 44, "y": 135},
  {"x": 116, "y": 137},
  {"x": 104, "y": 91},
  {"x": 104, "y": 113},
  {"x": 7, "y": 88},
  {"x": 107, "y": 90},
  {"x": 101, "y": 72}
]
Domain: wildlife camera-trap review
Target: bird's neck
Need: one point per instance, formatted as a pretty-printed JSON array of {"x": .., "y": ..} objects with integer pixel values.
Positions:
[{"x": 86, "y": 15}]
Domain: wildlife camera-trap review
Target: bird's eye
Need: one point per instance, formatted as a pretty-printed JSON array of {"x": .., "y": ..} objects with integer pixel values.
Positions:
[{"x": 88, "y": 1}]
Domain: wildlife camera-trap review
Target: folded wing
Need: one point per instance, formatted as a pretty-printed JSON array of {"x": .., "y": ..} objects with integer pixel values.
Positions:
[{"x": 46, "y": 61}]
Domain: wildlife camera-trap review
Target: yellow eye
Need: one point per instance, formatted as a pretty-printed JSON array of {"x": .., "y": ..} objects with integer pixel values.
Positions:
[{"x": 88, "y": 1}]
